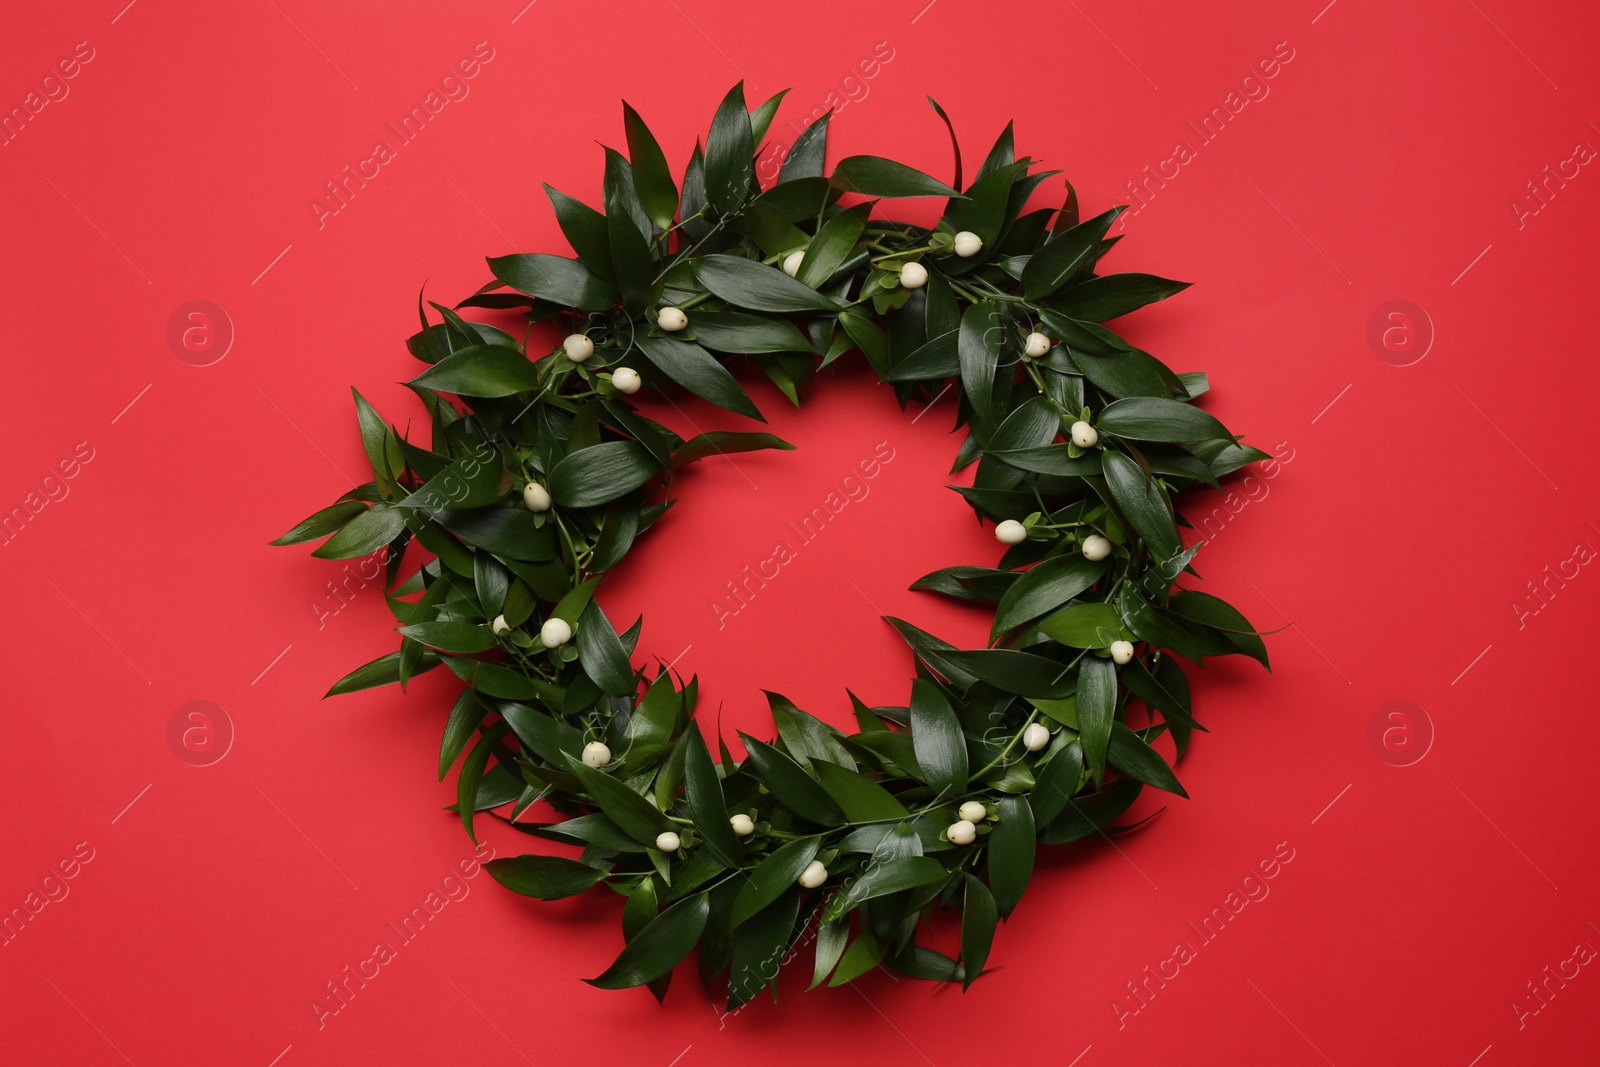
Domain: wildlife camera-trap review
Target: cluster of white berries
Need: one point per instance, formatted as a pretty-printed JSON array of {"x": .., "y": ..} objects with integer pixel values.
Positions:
[{"x": 915, "y": 275}]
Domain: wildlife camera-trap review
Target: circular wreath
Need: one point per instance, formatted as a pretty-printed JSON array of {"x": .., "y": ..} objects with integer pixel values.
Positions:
[{"x": 540, "y": 475}]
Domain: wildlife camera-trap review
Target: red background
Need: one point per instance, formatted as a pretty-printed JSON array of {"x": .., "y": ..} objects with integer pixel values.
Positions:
[{"x": 1381, "y": 165}]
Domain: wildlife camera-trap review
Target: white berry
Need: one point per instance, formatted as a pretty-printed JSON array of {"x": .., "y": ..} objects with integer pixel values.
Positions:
[
  {"x": 1096, "y": 547},
  {"x": 1084, "y": 435},
  {"x": 668, "y": 841},
  {"x": 536, "y": 497},
  {"x": 814, "y": 874},
  {"x": 1035, "y": 737},
  {"x": 742, "y": 825},
  {"x": 973, "y": 812},
  {"x": 672, "y": 319},
  {"x": 499, "y": 627},
  {"x": 1011, "y": 532},
  {"x": 577, "y": 347},
  {"x": 555, "y": 633},
  {"x": 962, "y": 832},
  {"x": 1038, "y": 344},
  {"x": 913, "y": 276},
  {"x": 968, "y": 243},
  {"x": 596, "y": 754},
  {"x": 626, "y": 380},
  {"x": 791, "y": 262},
  {"x": 1122, "y": 651}
]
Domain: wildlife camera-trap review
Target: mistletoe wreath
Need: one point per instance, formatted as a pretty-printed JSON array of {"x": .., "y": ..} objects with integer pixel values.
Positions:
[{"x": 535, "y": 487}]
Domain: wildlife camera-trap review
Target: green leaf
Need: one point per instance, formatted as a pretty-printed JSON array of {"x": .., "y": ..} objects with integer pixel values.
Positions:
[
  {"x": 863, "y": 955},
  {"x": 1122, "y": 374},
  {"x": 364, "y": 534},
  {"x": 790, "y": 785},
  {"x": 881, "y": 879},
  {"x": 979, "y": 918},
  {"x": 931, "y": 650},
  {"x": 729, "y": 148},
  {"x": 601, "y": 653},
  {"x": 1011, "y": 851},
  {"x": 707, "y": 807},
  {"x": 373, "y": 435},
  {"x": 322, "y": 523},
  {"x": 758, "y": 947},
  {"x": 862, "y": 799},
  {"x": 734, "y": 331},
  {"x": 635, "y": 815},
  {"x": 985, "y": 330},
  {"x": 554, "y": 278},
  {"x": 1088, "y": 813},
  {"x": 756, "y": 286},
  {"x": 585, "y": 230},
  {"x": 659, "y": 947},
  {"x": 1220, "y": 615},
  {"x": 482, "y": 370},
  {"x": 1129, "y": 753},
  {"x": 832, "y": 245},
  {"x": 1143, "y": 503},
  {"x": 1097, "y": 706},
  {"x": 761, "y": 118},
  {"x": 876, "y": 176},
  {"x": 651, "y": 177},
  {"x": 385, "y": 670},
  {"x": 451, "y": 636},
  {"x": 1003, "y": 154},
  {"x": 773, "y": 875},
  {"x": 471, "y": 776},
  {"x": 1146, "y": 418},
  {"x": 547, "y": 737},
  {"x": 475, "y": 480},
  {"x": 969, "y": 583},
  {"x": 464, "y": 719},
  {"x": 1084, "y": 625},
  {"x": 511, "y": 533},
  {"x": 1022, "y": 673},
  {"x": 722, "y": 443},
  {"x": 936, "y": 733},
  {"x": 601, "y": 473},
  {"x": 1064, "y": 255},
  {"x": 544, "y": 877},
  {"x": 1046, "y": 587},
  {"x": 939, "y": 358},
  {"x": 831, "y": 939},
  {"x": 630, "y": 252},
  {"x": 699, "y": 372},
  {"x": 1099, "y": 299},
  {"x": 807, "y": 156},
  {"x": 1032, "y": 424}
]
